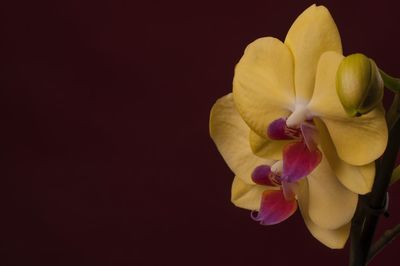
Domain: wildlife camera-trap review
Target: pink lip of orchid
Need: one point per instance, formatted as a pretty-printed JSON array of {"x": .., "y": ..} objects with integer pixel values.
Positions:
[
  {"x": 300, "y": 157},
  {"x": 278, "y": 200}
]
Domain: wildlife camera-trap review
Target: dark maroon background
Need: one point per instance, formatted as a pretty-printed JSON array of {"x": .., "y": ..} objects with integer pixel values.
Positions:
[{"x": 106, "y": 154}]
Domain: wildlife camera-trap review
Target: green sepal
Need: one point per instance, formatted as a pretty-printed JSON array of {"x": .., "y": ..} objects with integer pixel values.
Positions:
[
  {"x": 393, "y": 113},
  {"x": 395, "y": 175}
]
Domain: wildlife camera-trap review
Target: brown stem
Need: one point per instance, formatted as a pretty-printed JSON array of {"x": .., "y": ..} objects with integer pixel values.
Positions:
[
  {"x": 385, "y": 240},
  {"x": 376, "y": 200}
]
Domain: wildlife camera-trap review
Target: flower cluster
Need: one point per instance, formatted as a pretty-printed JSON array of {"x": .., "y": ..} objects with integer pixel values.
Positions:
[{"x": 286, "y": 136}]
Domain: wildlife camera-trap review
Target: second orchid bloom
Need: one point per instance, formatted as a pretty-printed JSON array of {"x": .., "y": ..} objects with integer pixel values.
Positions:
[{"x": 286, "y": 136}]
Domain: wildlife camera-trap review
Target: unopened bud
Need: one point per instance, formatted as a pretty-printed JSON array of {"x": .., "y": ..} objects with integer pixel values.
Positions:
[{"x": 359, "y": 84}]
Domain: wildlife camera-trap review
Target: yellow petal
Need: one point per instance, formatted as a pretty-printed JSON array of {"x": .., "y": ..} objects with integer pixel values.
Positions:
[
  {"x": 358, "y": 140},
  {"x": 330, "y": 204},
  {"x": 331, "y": 238},
  {"x": 231, "y": 135},
  {"x": 313, "y": 33},
  {"x": 245, "y": 195},
  {"x": 263, "y": 87},
  {"x": 267, "y": 148},
  {"x": 358, "y": 179},
  {"x": 367, "y": 135}
]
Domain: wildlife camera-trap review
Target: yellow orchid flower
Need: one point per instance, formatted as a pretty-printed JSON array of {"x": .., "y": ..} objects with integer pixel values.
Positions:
[{"x": 285, "y": 135}]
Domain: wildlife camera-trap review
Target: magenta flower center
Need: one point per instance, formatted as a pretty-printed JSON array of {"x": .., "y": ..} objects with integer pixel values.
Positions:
[{"x": 302, "y": 155}]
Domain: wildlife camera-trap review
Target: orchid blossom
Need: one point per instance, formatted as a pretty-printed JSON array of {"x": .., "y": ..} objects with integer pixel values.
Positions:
[{"x": 285, "y": 135}]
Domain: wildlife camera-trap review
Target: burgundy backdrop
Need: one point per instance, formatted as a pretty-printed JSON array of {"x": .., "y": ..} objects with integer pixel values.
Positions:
[{"x": 106, "y": 154}]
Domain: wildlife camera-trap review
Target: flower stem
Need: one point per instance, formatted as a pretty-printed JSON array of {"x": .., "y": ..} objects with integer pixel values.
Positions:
[
  {"x": 391, "y": 83},
  {"x": 356, "y": 229},
  {"x": 375, "y": 201},
  {"x": 385, "y": 239},
  {"x": 393, "y": 114}
]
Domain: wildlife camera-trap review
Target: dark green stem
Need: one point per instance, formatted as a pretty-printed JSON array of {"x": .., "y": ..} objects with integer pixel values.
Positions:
[
  {"x": 365, "y": 219},
  {"x": 356, "y": 229},
  {"x": 390, "y": 82},
  {"x": 393, "y": 114},
  {"x": 376, "y": 199},
  {"x": 385, "y": 239}
]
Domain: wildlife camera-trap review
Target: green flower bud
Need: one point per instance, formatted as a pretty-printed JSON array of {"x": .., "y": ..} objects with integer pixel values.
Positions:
[{"x": 359, "y": 84}]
